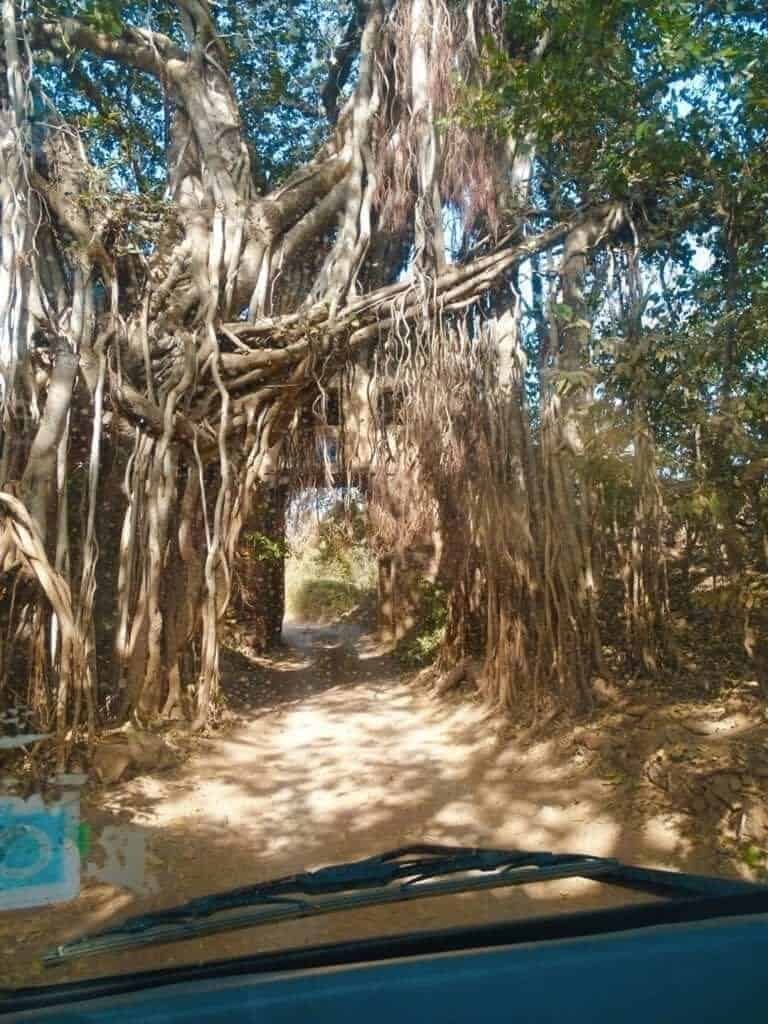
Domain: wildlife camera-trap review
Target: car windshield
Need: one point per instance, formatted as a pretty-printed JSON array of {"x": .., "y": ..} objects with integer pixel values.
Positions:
[{"x": 383, "y": 468}]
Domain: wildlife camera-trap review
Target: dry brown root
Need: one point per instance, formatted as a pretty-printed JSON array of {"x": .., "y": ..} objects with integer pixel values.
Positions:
[{"x": 453, "y": 678}]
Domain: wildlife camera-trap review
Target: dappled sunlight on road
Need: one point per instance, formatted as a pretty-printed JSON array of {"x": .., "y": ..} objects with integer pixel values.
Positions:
[
  {"x": 371, "y": 762},
  {"x": 336, "y": 758}
]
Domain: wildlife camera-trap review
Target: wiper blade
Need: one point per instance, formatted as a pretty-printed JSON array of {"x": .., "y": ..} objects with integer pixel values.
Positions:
[
  {"x": 409, "y": 864},
  {"x": 409, "y": 872}
]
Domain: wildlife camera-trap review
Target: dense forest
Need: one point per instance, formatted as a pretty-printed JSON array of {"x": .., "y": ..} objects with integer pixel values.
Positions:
[{"x": 541, "y": 222}]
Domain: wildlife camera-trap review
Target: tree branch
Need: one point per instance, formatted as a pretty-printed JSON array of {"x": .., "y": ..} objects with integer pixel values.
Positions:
[
  {"x": 453, "y": 284},
  {"x": 340, "y": 64},
  {"x": 137, "y": 48},
  {"x": 105, "y": 107},
  {"x": 139, "y": 409}
]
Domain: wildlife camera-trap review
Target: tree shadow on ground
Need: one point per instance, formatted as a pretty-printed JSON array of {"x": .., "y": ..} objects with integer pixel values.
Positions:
[
  {"x": 309, "y": 661},
  {"x": 340, "y": 759}
]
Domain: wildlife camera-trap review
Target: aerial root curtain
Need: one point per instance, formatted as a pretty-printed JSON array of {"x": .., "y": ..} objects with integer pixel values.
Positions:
[{"x": 155, "y": 353}]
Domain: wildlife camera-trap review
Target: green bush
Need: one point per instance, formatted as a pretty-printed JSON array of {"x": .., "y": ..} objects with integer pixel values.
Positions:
[
  {"x": 262, "y": 547},
  {"x": 331, "y": 572},
  {"x": 323, "y": 600},
  {"x": 422, "y": 645},
  {"x": 421, "y": 649}
]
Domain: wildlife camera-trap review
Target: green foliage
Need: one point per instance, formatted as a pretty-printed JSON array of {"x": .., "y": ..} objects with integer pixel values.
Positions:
[
  {"x": 422, "y": 645},
  {"x": 331, "y": 570},
  {"x": 323, "y": 600},
  {"x": 629, "y": 98},
  {"x": 662, "y": 104},
  {"x": 433, "y": 605},
  {"x": 422, "y": 649},
  {"x": 278, "y": 52},
  {"x": 568, "y": 381},
  {"x": 756, "y": 860},
  {"x": 340, "y": 538},
  {"x": 104, "y": 16},
  {"x": 263, "y": 548}
]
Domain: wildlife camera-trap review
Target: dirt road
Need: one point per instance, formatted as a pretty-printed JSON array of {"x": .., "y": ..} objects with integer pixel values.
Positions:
[{"x": 335, "y": 757}]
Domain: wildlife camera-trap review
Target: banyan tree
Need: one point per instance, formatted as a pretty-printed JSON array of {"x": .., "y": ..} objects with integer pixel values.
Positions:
[{"x": 207, "y": 216}]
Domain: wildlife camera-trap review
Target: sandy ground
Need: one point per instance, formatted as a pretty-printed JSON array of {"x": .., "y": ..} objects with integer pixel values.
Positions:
[{"x": 335, "y": 757}]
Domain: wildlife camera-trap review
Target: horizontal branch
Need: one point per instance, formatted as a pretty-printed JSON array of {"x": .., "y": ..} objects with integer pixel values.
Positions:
[
  {"x": 282, "y": 371},
  {"x": 137, "y": 408},
  {"x": 137, "y": 48},
  {"x": 287, "y": 204},
  {"x": 454, "y": 282}
]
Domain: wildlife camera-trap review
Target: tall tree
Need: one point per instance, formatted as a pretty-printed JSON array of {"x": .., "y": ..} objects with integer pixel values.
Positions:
[{"x": 207, "y": 211}]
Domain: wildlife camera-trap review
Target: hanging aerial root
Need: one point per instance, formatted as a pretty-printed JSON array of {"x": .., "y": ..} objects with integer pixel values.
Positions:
[{"x": 25, "y": 538}]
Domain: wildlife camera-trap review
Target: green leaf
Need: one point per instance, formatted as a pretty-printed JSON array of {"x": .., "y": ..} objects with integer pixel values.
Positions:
[{"x": 753, "y": 856}]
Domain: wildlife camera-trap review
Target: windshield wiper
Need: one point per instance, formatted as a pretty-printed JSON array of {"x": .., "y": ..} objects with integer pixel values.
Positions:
[{"x": 410, "y": 872}]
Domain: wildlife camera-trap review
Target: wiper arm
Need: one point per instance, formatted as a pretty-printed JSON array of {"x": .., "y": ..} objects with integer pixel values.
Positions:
[{"x": 410, "y": 872}]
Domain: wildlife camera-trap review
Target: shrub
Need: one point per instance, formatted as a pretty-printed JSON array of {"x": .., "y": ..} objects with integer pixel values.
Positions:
[
  {"x": 423, "y": 643},
  {"x": 331, "y": 571},
  {"x": 322, "y": 600}
]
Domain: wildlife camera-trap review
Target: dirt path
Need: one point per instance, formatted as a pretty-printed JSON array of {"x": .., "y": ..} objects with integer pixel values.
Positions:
[{"x": 337, "y": 757}]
